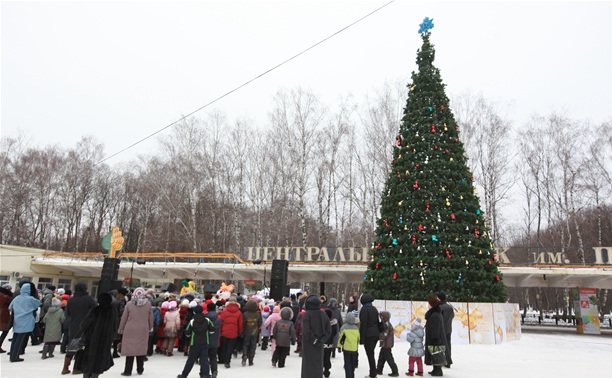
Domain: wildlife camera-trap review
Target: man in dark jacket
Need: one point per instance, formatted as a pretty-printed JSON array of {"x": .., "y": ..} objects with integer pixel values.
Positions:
[
  {"x": 448, "y": 314},
  {"x": 199, "y": 332},
  {"x": 250, "y": 331},
  {"x": 211, "y": 313},
  {"x": 368, "y": 330},
  {"x": 315, "y": 330}
]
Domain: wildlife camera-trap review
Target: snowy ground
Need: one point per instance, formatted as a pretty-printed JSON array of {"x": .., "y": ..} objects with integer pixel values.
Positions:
[{"x": 541, "y": 352}]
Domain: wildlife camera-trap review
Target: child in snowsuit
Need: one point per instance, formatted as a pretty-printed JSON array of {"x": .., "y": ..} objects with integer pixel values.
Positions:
[
  {"x": 284, "y": 334},
  {"x": 328, "y": 345},
  {"x": 348, "y": 341},
  {"x": 172, "y": 327},
  {"x": 199, "y": 332},
  {"x": 53, "y": 319},
  {"x": 265, "y": 332},
  {"x": 386, "y": 344},
  {"x": 416, "y": 351}
]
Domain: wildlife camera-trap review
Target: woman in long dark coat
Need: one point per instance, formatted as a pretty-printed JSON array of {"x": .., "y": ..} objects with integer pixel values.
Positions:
[
  {"x": 77, "y": 309},
  {"x": 99, "y": 329},
  {"x": 434, "y": 332},
  {"x": 315, "y": 330}
]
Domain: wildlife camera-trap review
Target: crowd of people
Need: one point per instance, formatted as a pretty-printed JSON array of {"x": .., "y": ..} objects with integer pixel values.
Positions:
[{"x": 209, "y": 330}]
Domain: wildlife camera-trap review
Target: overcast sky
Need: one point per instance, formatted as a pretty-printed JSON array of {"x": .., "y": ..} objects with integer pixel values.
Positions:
[{"x": 122, "y": 70}]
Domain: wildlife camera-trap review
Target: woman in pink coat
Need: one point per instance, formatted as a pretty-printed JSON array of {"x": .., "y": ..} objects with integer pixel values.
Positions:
[{"x": 136, "y": 323}]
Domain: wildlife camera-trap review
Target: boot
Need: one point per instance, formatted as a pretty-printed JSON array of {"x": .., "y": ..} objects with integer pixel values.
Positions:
[
  {"x": 45, "y": 352},
  {"x": 51, "y": 349},
  {"x": 420, "y": 374},
  {"x": 244, "y": 359},
  {"x": 67, "y": 361},
  {"x": 437, "y": 371},
  {"x": 410, "y": 373}
]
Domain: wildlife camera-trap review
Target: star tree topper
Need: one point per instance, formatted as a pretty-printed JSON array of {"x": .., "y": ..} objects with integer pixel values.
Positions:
[{"x": 426, "y": 25}]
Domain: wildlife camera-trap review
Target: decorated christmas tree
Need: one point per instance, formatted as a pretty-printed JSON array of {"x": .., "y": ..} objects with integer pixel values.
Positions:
[{"x": 431, "y": 235}]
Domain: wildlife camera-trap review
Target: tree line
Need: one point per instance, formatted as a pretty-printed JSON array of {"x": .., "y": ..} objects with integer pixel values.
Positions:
[{"x": 312, "y": 175}]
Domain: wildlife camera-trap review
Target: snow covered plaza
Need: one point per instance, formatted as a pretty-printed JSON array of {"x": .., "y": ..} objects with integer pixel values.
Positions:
[{"x": 541, "y": 352}]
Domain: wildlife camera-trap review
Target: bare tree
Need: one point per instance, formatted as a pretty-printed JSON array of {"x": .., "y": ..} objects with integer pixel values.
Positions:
[{"x": 486, "y": 132}]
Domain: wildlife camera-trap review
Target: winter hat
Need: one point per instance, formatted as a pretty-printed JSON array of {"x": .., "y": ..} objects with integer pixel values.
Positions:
[
  {"x": 433, "y": 301},
  {"x": 123, "y": 290},
  {"x": 328, "y": 312},
  {"x": 211, "y": 307},
  {"x": 286, "y": 313},
  {"x": 416, "y": 323},
  {"x": 276, "y": 310},
  {"x": 367, "y": 298},
  {"x": 65, "y": 297},
  {"x": 60, "y": 291},
  {"x": 192, "y": 304},
  {"x": 105, "y": 300},
  {"x": 7, "y": 287},
  {"x": 171, "y": 305},
  {"x": 313, "y": 303},
  {"x": 51, "y": 287},
  {"x": 55, "y": 302},
  {"x": 198, "y": 309},
  {"x": 350, "y": 318},
  {"x": 185, "y": 303},
  {"x": 266, "y": 309},
  {"x": 355, "y": 313}
]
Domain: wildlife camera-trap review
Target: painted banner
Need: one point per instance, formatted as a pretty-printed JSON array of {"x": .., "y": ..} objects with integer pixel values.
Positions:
[
  {"x": 474, "y": 323},
  {"x": 585, "y": 306}
]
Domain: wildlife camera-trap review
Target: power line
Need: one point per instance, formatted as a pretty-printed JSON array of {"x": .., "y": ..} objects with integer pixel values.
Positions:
[{"x": 246, "y": 83}]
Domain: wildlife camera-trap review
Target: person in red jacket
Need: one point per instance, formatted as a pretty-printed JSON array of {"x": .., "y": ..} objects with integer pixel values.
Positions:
[{"x": 231, "y": 327}]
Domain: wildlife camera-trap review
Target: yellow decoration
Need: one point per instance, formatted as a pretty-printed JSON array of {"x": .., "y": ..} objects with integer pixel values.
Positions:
[
  {"x": 480, "y": 252},
  {"x": 407, "y": 172},
  {"x": 443, "y": 189},
  {"x": 400, "y": 156},
  {"x": 448, "y": 202},
  {"x": 467, "y": 262},
  {"x": 476, "y": 221},
  {"x": 421, "y": 264},
  {"x": 400, "y": 203},
  {"x": 451, "y": 159},
  {"x": 405, "y": 228},
  {"x": 460, "y": 197},
  {"x": 412, "y": 88}
]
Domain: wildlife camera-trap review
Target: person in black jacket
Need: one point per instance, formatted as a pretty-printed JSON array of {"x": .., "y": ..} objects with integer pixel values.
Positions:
[
  {"x": 434, "y": 332},
  {"x": 448, "y": 314},
  {"x": 211, "y": 313},
  {"x": 368, "y": 330},
  {"x": 315, "y": 330},
  {"x": 99, "y": 330},
  {"x": 77, "y": 309},
  {"x": 199, "y": 331}
]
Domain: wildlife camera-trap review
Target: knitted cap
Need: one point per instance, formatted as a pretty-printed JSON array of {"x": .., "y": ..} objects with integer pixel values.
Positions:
[
  {"x": 198, "y": 309},
  {"x": 211, "y": 307}
]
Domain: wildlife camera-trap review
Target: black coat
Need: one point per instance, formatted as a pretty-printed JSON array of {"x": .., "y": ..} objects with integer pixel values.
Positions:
[
  {"x": 315, "y": 331},
  {"x": 368, "y": 322},
  {"x": 434, "y": 331},
  {"x": 99, "y": 330},
  {"x": 77, "y": 309}
]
